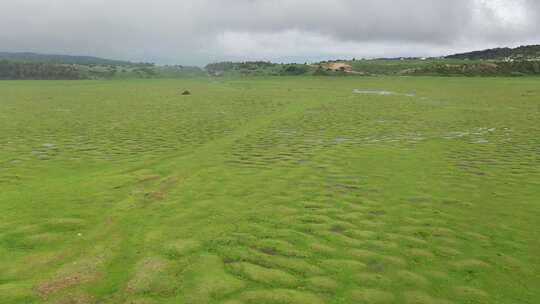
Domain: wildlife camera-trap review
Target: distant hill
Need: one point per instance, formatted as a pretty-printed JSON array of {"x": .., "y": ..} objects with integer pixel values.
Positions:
[
  {"x": 520, "y": 61},
  {"x": 529, "y": 52},
  {"x": 258, "y": 68},
  {"x": 61, "y": 59}
]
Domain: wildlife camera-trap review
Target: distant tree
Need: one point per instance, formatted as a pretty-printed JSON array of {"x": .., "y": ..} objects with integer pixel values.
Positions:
[
  {"x": 320, "y": 71},
  {"x": 294, "y": 69},
  {"x": 38, "y": 70}
]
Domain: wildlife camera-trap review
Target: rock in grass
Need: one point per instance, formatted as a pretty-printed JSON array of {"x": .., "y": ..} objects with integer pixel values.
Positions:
[{"x": 186, "y": 92}]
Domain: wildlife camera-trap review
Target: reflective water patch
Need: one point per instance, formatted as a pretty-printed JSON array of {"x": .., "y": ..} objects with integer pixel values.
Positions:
[{"x": 381, "y": 92}]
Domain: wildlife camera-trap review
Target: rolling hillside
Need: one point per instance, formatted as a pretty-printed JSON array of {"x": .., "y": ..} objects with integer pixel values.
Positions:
[
  {"x": 64, "y": 59},
  {"x": 529, "y": 52}
]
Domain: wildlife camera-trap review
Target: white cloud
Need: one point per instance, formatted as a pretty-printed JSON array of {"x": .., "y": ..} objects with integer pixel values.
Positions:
[
  {"x": 506, "y": 17},
  {"x": 300, "y": 46},
  {"x": 199, "y": 31}
]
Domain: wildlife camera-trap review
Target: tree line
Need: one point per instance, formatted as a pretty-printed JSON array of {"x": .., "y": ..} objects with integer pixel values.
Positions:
[{"x": 38, "y": 70}]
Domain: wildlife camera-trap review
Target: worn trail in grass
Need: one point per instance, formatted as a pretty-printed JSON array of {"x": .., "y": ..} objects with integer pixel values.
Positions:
[{"x": 286, "y": 190}]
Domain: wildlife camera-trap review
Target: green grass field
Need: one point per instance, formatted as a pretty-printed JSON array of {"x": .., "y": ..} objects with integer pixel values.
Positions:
[{"x": 270, "y": 191}]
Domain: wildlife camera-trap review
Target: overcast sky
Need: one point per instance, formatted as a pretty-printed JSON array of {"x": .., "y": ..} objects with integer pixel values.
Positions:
[{"x": 202, "y": 31}]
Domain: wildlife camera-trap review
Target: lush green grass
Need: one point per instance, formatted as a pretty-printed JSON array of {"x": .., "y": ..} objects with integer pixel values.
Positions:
[{"x": 270, "y": 190}]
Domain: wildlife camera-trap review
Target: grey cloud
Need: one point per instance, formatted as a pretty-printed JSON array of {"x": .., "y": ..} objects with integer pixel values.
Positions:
[{"x": 199, "y": 31}]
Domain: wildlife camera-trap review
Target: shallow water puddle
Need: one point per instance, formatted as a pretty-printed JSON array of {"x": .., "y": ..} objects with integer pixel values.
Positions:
[{"x": 381, "y": 92}]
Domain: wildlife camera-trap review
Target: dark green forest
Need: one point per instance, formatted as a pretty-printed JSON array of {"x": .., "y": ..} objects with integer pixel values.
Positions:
[
  {"x": 496, "y": 68},
  {"x": 522, "y": 52},
  {"x": 38, "y": 70}
]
